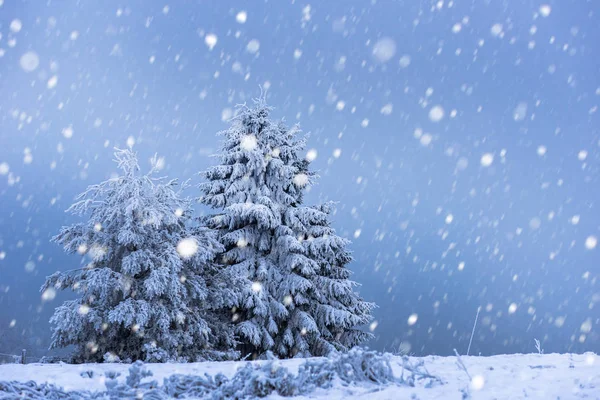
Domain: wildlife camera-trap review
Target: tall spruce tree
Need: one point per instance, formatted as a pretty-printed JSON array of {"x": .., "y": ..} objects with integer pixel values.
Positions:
[
  {"x": 146, "y": 290},
  {"x": 289, "y": 297}
]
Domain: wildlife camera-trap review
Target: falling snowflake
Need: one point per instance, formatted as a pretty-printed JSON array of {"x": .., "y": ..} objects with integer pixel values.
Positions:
[
  {"x": 29, "y": 61},
  {"x": 412, "y": 319},
  {"x": 496, "y": 30},
  {"x": 541, "y": 150},
  {"x": 253, "y": 46},
  {"x": 520, "y": 112},
  {"x": 586, "y": 326},
  {"x": 83, "y": 309},
  {"x": 51, "y": 84},
  {"x": 16, "y": 25},
  {"x": 436, "y": 113},
  {"x": 387, "y": 109},
  {"x": 487, "y": 159},
  {"x": 462, "y": 163},
  {"x": 248, "y": 142},
  {"x": 67, "y": 132},
  {"x": 591, "y": 242},
  {"x": 477, "y": 382},
  {"x": 226, "y": 114},
  {"x": 373, "y": 326},
  {"x": 404, "y": 61},
  {"x": 426, "y": 139},
  {"x": 301, "y": 180},
  {"x": 311, "y": 155},
  {"x": 210, "y": 40},
  {"x": 545, "y": 10},
  {"x": 241, "y": 17},
  {"x": 535, "y": 223},
  {"x": 257, "y": 287},
  {"x": 384, "y": 49},
  {"x": 186, "y": 248},
  {"x": 49, "y": 294}
]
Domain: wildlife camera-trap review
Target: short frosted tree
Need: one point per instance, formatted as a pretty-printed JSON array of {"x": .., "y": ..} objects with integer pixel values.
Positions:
[
  {"x": 258, "y": 191},
  {"x": 146, "y": 289}
]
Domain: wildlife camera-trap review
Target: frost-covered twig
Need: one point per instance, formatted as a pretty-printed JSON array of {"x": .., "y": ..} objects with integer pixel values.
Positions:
[
  {"x": 461, "y": 364},
  {"x": 473, "y": 331},
  {"x": 538, "y": 346}
]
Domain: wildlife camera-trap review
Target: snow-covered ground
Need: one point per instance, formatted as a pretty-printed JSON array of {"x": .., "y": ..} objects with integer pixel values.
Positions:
[{"x": 518, "y": 376}]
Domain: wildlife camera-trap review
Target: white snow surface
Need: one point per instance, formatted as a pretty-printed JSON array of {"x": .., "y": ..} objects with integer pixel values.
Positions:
[{"x": 517, "y": 376}]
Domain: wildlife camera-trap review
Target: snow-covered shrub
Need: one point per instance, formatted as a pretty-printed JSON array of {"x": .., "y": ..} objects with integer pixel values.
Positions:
[
  {"x": 252, "y": 380},
  {"x": 192, "y": 386},
  {"x": 357, "y": 365},
  {"x": 146, "y": 290},
  {"x": 87, "y": 374},
  {"x": 255, "y": 380},
  {"x": 133, "y": 387},
  {"x": 413, "y": 371},
  {"x": 33, "y": 391}
]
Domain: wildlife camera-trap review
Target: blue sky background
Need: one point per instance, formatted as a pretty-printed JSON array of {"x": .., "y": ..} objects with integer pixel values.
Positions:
[{"x": 517, "y": 82}]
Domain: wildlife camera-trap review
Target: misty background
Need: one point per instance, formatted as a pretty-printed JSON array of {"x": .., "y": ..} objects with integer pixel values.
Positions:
[{"x": 459, "y": 138}]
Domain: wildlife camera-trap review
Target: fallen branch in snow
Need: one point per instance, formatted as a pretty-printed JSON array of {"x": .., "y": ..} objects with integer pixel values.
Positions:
[{"x": 356, "y": 367}]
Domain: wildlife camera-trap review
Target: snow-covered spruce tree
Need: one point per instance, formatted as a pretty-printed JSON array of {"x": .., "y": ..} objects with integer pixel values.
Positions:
[
  {"x": 286, "y": 296},
  {"x": 147, "y": 288}
]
